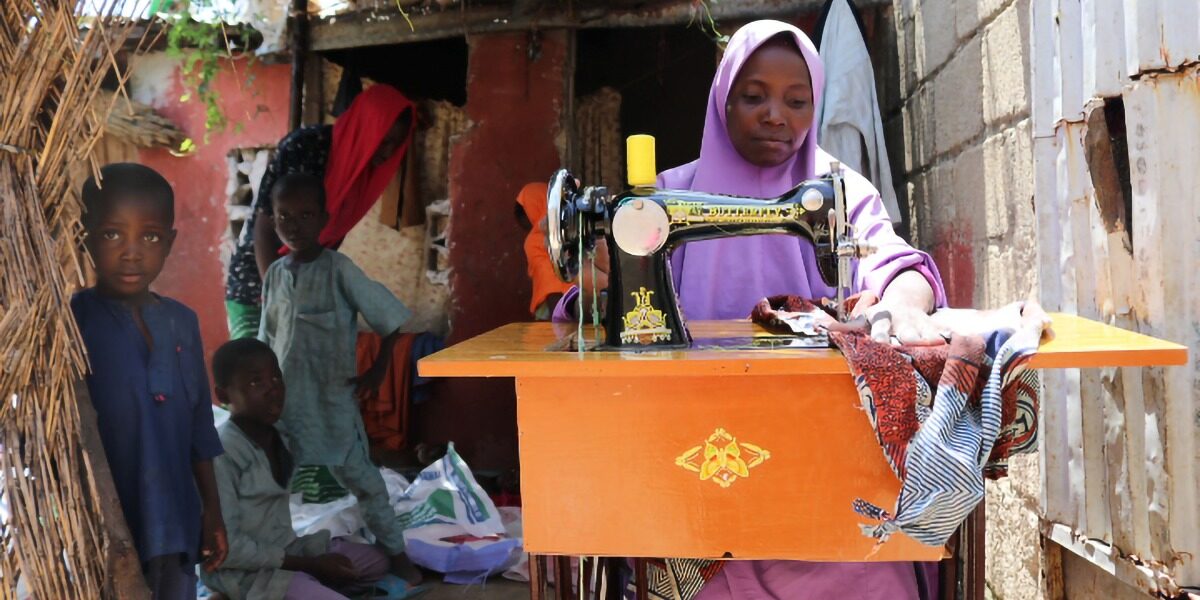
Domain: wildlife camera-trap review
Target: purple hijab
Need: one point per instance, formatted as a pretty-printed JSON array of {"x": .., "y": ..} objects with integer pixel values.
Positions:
[{"x": 724, "y": 278}]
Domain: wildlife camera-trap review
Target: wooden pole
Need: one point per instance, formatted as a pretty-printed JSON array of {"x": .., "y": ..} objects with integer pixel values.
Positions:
[
  {"x": 298, "y": 18},
  {"x": 124, "y": 567}
]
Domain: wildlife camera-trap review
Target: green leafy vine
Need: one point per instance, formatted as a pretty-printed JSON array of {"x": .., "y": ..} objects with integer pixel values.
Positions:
[
  {"x": 205, "y": 46},
  {"x": 707, "y": 23}
]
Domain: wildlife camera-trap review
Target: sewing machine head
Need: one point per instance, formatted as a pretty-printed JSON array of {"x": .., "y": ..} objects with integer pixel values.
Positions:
[{"x": 644, "y": 224}]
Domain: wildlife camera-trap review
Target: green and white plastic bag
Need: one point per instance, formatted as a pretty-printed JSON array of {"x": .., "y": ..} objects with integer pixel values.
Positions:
[{"x": 446, "y": 493}]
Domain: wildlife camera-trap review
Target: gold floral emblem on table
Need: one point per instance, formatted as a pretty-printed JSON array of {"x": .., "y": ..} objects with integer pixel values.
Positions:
[{"x": 722, "y": 458}]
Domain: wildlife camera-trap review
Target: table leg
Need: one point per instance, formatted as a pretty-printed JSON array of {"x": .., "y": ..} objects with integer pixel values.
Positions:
[
  {"x": 948, "y": 580},
  {"x": 562, "y": 577},
  {"x": 586, "y": 566},
  {"x": 640, "y": 576},
  {"x": 613, "y": 577},
  {"x": 536, "y": 581},
  {"x": 976, "y": 547}
]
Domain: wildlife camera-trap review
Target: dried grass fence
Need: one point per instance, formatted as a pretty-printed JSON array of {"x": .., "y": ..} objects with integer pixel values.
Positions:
[{"x": 53, "y": 58}]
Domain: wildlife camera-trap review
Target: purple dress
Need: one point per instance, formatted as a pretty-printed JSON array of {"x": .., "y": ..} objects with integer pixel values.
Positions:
[{"x": 724, "y": 278}]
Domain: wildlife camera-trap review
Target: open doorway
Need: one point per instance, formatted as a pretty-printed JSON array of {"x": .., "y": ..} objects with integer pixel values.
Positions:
[
  {"x": 428, "y": 70},
  {"x": 662, "y": 75}
]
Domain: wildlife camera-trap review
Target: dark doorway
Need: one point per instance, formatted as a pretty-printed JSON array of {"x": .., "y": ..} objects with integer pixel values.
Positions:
[
  {"x": 663, "y": 75},
  {"x": 432, "y": 70}
]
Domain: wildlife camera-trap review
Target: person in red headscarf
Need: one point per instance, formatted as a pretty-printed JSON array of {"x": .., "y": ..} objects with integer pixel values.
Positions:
[
  {"x": 356, "y": 158},
  {"x": 547, "y": 287}
]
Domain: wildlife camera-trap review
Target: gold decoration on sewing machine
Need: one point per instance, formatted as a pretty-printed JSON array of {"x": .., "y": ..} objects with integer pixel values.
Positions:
[
  {"x": 683, "y": 212},
  {"x": 645, "y": 323},
  {"x": 722, "y": 459}
]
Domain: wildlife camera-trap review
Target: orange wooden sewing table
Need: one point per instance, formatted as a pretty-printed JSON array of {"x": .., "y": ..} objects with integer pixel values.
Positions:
[{"x": 613, "y": 446}]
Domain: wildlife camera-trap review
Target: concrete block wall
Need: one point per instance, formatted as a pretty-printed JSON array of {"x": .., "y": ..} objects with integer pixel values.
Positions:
[
  {"x": 960, "y": 104},
  {"x": 957, "y": 108}
]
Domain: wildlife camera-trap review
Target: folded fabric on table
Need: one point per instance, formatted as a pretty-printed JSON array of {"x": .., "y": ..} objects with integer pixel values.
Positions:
[{"x": 946, "y": 416}]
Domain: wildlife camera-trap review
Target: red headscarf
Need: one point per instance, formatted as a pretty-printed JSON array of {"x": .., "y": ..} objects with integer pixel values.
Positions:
[{"x": 351, "y": 184}]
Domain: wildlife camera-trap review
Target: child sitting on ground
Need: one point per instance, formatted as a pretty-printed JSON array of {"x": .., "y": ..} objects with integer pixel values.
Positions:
[
  {"x": 312, "y": 299},
  {"x": 266, "y": 560},
  {"x": 148, "y": 381}
]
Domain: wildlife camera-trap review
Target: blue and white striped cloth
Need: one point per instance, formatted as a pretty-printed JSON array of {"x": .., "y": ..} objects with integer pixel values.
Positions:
[{"x": 947, "y": 456}]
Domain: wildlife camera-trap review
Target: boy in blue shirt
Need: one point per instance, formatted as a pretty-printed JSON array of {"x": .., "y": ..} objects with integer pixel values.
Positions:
[
  {"x": 148, "y": 382},
  {"x": 312, "y": 299}
]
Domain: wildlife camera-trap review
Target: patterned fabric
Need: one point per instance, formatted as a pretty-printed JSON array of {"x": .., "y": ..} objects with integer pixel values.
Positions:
[
  {"x": 942, "y": 444},
  {"x": 317, "y": 485},
  {"x": 305, "y": 150},
  {"x": 1019, "y": 413},
  {"x": 397, "y": 259},
  {"x": 676, "y": 578}
]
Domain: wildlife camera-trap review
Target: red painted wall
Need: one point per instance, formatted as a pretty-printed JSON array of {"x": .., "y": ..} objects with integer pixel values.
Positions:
[
  {"x": 193, "y": 273},
  {"x": 515, "y": 106},
  {"x": 952, "y": 251}
]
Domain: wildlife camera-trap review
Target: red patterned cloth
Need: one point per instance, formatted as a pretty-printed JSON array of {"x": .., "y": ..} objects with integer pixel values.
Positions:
[
  {"x": 898, "y": 384},
  {"x": 943, "y": 444}
]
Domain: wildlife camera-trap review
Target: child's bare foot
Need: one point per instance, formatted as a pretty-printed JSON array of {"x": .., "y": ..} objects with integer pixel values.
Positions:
[{"x": 403, "y": 568}]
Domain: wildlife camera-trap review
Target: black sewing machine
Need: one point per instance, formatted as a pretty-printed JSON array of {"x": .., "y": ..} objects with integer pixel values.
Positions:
[{"x": 644, "y": 224}]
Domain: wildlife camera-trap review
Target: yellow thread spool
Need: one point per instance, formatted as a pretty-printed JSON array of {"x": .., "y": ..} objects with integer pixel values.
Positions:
[{"x": 639, "y": 160}]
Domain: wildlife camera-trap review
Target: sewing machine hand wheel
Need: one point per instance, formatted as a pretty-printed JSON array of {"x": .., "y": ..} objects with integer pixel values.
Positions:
[{"x": 565, "y": 202}]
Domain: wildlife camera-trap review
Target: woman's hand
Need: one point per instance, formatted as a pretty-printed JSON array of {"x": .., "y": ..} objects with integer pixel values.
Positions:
[
  {"x": 902, "y": 324},
  {"x": 901, "y": 316}
]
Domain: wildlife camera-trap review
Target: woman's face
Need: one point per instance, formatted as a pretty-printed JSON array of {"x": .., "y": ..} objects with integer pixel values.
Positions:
[
  {"x": 392, "y": 140},
  {"x": 770, "y": 106}
]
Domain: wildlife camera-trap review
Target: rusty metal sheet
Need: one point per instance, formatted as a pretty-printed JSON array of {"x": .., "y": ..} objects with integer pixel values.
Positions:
[
  {"x": 1163, "y": 120},
  {"x": 1160, "y": 34},
  {"x": 1121, "y": 455}
]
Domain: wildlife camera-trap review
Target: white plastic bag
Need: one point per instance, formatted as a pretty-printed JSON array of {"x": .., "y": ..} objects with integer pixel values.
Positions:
[
  {"x": 446, "y": 492},
  {"x": 452, "y": 526}
]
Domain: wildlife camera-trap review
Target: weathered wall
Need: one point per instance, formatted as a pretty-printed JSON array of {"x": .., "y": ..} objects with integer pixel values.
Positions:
[
  {"x": 514, "y": 103},
  {"x": 956, "y": 104},
  {"x": 1083, "y": 580},
  {"x": 257, "y": 114},
  {"x": 963, "y": 99},
  {"x": 1116, "y": 121}
]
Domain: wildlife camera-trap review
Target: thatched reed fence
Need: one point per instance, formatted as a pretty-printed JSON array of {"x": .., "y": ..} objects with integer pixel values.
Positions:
[{"x": 53, "y": 537}]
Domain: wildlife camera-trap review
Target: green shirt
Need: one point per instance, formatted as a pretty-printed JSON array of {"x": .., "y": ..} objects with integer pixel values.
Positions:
[
  {"x": 258, "y": 523},
  {"x": 310, "y": 320}
]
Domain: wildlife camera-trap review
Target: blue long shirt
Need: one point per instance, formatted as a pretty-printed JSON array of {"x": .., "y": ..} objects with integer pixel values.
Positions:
[{"x": 154, "y": 413}]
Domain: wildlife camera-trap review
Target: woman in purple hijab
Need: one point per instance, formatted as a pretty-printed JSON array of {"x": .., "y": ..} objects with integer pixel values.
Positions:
[{"x": 759, "y": 142}]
